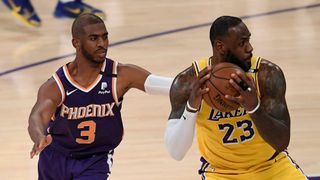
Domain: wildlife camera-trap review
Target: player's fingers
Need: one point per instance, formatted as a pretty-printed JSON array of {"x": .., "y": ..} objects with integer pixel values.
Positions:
[
  {"x": 49, "y": 139},
  {"x": 231, "y": 98},
  {"x": 205, "y": 71},
  {"x": 203, "y": 90},
  {"x": 204, "y": 79},
  {"x": 241, "y": 79},
  {"x": 42, "y": 146},
  {"x": 235, "y": 85},
  {"x": 43, "y": 143},
  {"x": 250, "y": 79},
  {"x": 242, "y": 75},
  {"x": 33, "y": 151}
]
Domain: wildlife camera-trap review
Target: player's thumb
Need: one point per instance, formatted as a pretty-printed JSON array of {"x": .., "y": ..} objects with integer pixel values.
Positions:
[
  {"x": 48, "y": 139},
  {"x": 45, "y": 142}
]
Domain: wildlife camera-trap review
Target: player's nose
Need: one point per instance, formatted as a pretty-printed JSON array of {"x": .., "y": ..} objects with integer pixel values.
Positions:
[{"x": 249, "y": 48}]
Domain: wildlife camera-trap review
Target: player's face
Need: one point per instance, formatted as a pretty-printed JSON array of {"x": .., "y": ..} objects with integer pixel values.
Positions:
[
  {"x": 95, "y": 42},
  {"x": 239, "y": 49}
]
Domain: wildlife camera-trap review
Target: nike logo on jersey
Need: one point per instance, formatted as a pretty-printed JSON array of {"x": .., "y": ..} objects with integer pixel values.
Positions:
[
  {"x": 184, "y": 118},
  {"x": 70, "y": 92}
]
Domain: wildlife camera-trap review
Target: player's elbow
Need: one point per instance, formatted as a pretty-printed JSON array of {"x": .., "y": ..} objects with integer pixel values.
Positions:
[
  {"x": 177, "y": 156},
  {"x": 282, "y": 146},
  {"x": 179, "y": 136},
  {"x": 177, "y": 148},
  {"x": 175, "y": 152},
  {"x": 282, "y": 143}
]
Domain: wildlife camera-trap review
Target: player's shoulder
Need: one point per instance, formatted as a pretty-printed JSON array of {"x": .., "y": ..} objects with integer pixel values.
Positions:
[
  {"x": 182, "y": 83},
  {"x": 51, "y": 82},
  {"x": 271, "y": 78},
  {"x": 267, "y": 65},
  {"x": 50, "y": 86},
  {"x": 186, "y": 76}
]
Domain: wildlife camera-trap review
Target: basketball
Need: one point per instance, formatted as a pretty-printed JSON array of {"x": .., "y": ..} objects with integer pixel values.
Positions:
[{"x": 219, "y": 86}]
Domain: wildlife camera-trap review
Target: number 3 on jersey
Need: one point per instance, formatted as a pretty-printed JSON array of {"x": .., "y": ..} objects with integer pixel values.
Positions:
[
  {"x": 246, "y": 126},
  {"x": 88, "y": 132}
]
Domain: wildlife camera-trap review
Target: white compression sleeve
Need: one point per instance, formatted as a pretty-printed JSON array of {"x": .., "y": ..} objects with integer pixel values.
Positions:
[
  {"x": 179, "y": 134},
  {"x": 157, "y": 85}
]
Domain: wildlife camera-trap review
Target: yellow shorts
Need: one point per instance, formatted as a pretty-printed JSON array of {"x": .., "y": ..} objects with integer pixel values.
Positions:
[{"x": 283, "y": 168}]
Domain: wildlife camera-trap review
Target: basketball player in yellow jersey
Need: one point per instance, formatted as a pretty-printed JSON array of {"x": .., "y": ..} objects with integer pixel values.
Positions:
[{"x": 248, "y": 143}]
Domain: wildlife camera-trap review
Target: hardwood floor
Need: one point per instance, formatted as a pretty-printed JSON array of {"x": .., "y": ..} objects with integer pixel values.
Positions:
[{"x": 284, "y": 32}]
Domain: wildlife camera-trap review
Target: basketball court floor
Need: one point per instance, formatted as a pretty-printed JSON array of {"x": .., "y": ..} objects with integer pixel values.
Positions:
[{"x": 163, "y": 37}]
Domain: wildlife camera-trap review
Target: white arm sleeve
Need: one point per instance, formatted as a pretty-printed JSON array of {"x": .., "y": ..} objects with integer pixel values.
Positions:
[
  {"x": 179, "y": 134},
  {"x": 158, "y": 85}
]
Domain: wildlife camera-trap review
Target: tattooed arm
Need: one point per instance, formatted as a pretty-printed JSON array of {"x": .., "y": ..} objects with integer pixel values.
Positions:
[
  {"x": 180, "y": 92},
  {"x": 180, "y": 128},
  {"x": 271, "y": 116},
  {"x": 272, "y": 119}
]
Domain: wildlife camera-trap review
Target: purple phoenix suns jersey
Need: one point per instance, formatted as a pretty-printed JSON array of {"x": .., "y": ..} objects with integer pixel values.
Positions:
[{"x": 88, "y": 120}]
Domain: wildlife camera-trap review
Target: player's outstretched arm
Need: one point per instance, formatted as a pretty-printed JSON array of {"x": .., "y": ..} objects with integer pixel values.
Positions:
[
  {"x": 132, "y": 76},
  {"x": 48, "y": 99},
  {"x": 185, "y": 96}
]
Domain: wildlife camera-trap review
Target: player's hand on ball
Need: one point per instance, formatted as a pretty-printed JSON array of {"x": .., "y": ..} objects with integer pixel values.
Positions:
[
  {"x": 246, "y": 87},
  {"x": 198, "y": 87}
]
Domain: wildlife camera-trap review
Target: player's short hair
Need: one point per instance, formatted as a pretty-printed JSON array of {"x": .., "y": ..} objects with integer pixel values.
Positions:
[
  {"x": 83, "y": 20},
  {"x": 221, "y": 25}
]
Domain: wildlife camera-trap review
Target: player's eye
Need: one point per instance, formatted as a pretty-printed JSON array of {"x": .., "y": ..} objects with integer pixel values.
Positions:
[{"x": 93, "y": 38}]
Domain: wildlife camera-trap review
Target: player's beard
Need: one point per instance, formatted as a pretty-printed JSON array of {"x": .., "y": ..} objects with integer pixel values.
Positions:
[
  {"x": 229, "y": 57},
  {"x": 90, "y": 57}
]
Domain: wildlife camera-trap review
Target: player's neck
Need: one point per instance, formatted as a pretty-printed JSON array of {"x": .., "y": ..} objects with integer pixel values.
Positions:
[
  {"x": 84, "y": 73},
  {"x": 86, "y": 66},
  {"x": 213, "y": 60}
]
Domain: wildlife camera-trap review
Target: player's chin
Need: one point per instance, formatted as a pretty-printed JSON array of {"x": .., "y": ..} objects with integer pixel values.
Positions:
[
  {"x": 101, "y": 56},
  {"x": 99, "y": 60}
]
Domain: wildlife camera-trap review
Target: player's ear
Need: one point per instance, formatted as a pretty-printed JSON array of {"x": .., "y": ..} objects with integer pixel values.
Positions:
[
  {"x": 220, "y": 47},
  {"x": 76, "y": 43}
]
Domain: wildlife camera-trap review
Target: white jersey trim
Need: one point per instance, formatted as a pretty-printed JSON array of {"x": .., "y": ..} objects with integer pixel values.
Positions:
[
  {"x": 78, "y": 86},
  {"x": 114, "y": 83},
  {"x": 61, "y": 88}
]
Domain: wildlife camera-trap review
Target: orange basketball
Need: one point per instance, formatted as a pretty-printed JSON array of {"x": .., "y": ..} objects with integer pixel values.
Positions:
[{"x": 219, "y": 86}]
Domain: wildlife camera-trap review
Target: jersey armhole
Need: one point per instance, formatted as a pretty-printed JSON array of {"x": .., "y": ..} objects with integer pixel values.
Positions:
[
  {"x": 114, "y": 83},
  {"x": 196, "y": 68},
  {"x": 256, "y": 78},
  {"x": 61, "y": 88}
]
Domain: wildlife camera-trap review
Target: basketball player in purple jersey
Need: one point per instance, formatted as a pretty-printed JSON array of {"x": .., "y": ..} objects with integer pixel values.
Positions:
[{"x": 76, "y": 122}]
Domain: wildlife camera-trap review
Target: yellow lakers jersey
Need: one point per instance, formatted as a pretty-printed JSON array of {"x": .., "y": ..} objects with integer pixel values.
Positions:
[{"x": 229, "y": 141}]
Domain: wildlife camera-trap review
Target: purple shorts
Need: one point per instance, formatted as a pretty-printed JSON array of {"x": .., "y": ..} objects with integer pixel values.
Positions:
[{"x": 56, "y": 166}]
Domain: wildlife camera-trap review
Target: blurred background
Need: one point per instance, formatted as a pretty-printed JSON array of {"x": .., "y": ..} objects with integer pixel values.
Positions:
[{"x": 164, "y": 37}]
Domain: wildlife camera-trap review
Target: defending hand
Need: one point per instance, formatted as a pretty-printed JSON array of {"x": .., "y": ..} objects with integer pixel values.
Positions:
[{"x": 38, "y": 147}]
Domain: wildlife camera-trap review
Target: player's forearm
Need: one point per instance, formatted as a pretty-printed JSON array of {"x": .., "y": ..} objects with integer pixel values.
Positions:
[
  {"x": 179, "y": 134},
  {"x": 36, "y": 128},
  {"x": 157, "y": 85},
  {"x": 273, "y": 131}
]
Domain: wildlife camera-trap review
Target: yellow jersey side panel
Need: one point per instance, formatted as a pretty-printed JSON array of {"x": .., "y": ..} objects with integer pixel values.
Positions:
[
  {"x": 282, "y": 168},
  {"x": 229, "y": 141}
]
